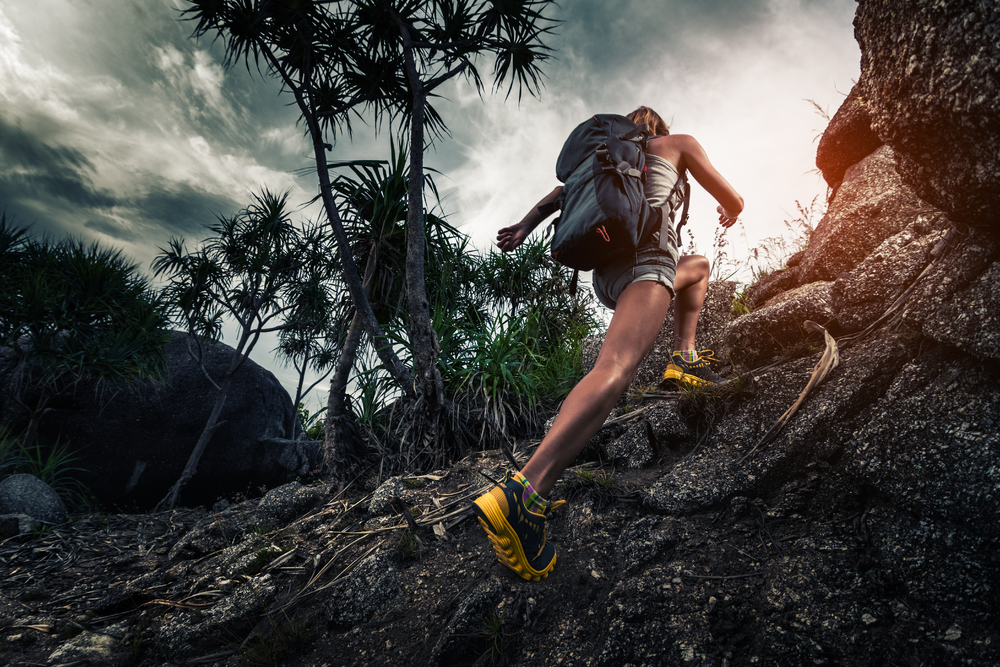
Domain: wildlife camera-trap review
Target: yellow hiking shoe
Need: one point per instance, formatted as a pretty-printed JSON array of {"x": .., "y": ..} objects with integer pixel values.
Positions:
[{"x": 517, "y": 533}]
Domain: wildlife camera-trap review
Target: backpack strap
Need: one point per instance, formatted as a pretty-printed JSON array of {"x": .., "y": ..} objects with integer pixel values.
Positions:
[
  {"x": 684, "y": 210},
  {"x": 545, "y": 210}
]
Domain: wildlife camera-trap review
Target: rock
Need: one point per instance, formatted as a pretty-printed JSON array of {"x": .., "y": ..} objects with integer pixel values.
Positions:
[
  {"x": 632, "y": 449},
  {"x": 372, "y": 586},
  {"x": 133, "y": 443},
  {"x": 930, "y": 78},
  {"x": 384, "y": 494},
  {"x": 765, "y": 333},
  {"x": 971, "y": 320},
  {"x": 644, "y": 540},
  {"x": 17, "y": 524},
  {"x": 278, "y": 507},
  {"x": 819, "y": 432},
  {"x": 959, "y": 268},
  {"x": 668, "y": 428},
  {"x": 465, "y": 637},
  {"x": 26, "y": 494},
  {"x": 286, "y": 503},
  {"x": 863, "y": 295},
  {"x": 933, "y": 440},
  {"x": 771, "y": 285},
  {"x": 848, "y": 139},
  {"x": 188, "y": 634},
  {"x": 938, "y": 563},
  {"x": 871, "y": 205},
  {"x": 86, "y": 648}
]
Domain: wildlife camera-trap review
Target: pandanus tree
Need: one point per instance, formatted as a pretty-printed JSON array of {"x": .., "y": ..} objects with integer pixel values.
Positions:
[
  {"x": 73, "y": 312},
  {"x": 258, "y": 269},
  {"x": 385, "y": 59},
  {"x": 373, "y": 202}
]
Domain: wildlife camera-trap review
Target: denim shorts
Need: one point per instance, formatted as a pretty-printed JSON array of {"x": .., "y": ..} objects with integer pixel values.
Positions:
[{"x": 649, "y": 263}]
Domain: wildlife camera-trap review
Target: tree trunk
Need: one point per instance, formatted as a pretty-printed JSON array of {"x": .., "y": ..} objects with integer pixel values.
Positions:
[
  {"x": 383, "y": 347},
  {"x": 422, "y": 435},
  {"x": 340, "y": 437}
]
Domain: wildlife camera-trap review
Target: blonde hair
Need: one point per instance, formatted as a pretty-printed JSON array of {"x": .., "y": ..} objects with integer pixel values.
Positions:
[{"x": 645, "y": 115}]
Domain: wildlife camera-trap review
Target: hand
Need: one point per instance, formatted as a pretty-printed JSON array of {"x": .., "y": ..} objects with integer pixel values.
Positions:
[
  {"x": 509, "y": 238},
  {"x": 725, "y": 219}
]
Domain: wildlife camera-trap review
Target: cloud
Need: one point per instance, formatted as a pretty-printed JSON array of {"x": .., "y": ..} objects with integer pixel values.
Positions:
[{"x": 133, "y": 132}]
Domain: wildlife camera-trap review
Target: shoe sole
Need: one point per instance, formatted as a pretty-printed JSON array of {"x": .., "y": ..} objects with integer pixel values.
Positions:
[
  {"x": 685, "y": 378},
  {"x": 505, "y": 541}
]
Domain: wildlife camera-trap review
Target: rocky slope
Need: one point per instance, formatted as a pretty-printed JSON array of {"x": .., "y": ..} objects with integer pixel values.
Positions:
[{"x": 863, "y": 531}]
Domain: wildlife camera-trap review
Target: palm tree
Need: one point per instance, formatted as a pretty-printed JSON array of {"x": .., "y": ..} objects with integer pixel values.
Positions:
[
  {"x": 258, "y": 269},
  {"x": 386, "y": 58}
]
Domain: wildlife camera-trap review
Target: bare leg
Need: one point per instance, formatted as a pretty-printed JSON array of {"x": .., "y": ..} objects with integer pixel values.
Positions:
[
  {"x": 638, "y": 318},
  {"x": 691, "y": 286}
]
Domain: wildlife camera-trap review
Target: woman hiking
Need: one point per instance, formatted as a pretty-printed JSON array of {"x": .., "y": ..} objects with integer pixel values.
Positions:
[{"x": 639, "y": 289}]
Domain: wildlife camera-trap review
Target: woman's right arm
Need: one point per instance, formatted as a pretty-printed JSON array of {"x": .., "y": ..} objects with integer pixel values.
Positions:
[{"x": 509, "y": 238}]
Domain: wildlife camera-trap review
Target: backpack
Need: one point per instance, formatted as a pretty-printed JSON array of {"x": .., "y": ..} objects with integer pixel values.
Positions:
[{"x": 602, "y": 166}]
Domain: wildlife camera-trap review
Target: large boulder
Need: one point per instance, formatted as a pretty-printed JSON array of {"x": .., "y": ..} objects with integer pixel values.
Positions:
[
  {"x": 133, "y": 442},
  {"x": 776, "y": 329},
  {"x": 971, "y": 321},
  {"x": 727, "y": 466},
  {"x": 848, "y": 139},
  {"x": 862, "y": 296},
  {"x": 930, "y": 79},
  {"x": 871, "y": 205}
]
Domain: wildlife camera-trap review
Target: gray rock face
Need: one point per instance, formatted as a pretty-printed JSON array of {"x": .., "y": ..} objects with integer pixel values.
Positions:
[
  {"x": 861, "y": 296},
  {"x": 871, "y": 205},
  {"x": 971, "y": 320},
  {"x": 466, "y": 633},
  {"x": 135, "y": 443},
  {"x": 373, "y": 585},
  {"x": 933, "y": 441},
  {"x": 26, "y": 494},
  {"x": 930, "y": 78},
  {"x": 817, "y": 433},
  {"x": 960, "y": 266},
  {"x": 763, "y": 334},
  {"x": 848, "y": 139}
]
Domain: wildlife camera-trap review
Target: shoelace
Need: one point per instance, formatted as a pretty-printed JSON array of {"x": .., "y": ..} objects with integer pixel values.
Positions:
[{"x": 708, "y": 356}]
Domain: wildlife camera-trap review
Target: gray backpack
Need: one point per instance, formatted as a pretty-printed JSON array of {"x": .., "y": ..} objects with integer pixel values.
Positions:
[{"x": 602, "y": 166}]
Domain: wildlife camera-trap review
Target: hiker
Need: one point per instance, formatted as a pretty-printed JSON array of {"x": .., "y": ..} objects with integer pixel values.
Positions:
[{"x": 639, "y": 289}]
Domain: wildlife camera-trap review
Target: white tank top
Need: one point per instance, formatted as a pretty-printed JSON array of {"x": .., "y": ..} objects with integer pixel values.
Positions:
[{"x": 661, "y": 177}]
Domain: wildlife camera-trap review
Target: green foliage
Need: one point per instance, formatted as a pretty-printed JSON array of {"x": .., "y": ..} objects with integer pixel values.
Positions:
[
  {"x": 70, "y": 310},
  {"x": 408, "y": 545},
  {"x": 52, "y": 465},
  {"x": 773, "y": 253},
  {"x": 312, "y": 425},
  {"x": 497, "y": 640}
]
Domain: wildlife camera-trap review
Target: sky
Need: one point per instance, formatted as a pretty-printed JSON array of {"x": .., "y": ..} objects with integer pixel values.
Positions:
[{"x": 117, "y": 127}]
